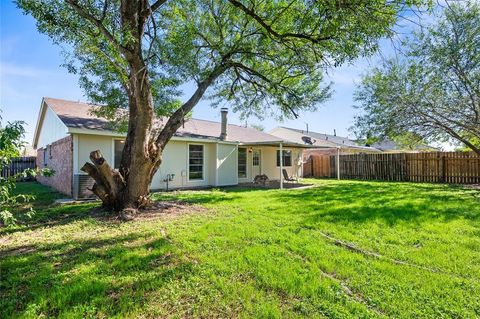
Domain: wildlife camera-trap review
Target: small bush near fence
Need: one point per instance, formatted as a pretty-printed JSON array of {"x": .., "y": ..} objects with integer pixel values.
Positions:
[
  {"x": 433, "y": 167},
  {"x": 18, "y": 165}
]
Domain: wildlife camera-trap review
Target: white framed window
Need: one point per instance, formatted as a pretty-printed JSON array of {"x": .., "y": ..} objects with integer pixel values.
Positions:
[
  {"x": 287, "y": 158},
  {"x": 195, "y": 161},
  {"x": 117, "y": 152},
  {"x": 242, "y": 162}
]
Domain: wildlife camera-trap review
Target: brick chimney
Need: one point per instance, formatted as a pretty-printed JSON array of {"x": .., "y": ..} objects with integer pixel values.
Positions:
[{"x": 223, "y": 132}]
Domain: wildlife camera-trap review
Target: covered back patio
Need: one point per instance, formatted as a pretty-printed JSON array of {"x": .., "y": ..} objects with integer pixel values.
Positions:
[{"x": 279, "y": 161}]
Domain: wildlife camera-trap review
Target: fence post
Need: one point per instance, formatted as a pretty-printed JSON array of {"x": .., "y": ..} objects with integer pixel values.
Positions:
[
  {"x": 18, "y": 165},
  {"x": 338, "y": 163},
  {"x": 444, "y": 169},
  {"x": 312, "y": 172}
]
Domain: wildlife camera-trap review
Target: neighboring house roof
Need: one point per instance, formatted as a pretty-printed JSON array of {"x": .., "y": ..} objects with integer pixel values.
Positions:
[
  {"x": 319, "y": 140},
  {"x": 386, "y": 145},
  {"x": 390, "y": 146},
  {"x": 78, "y": 116}
]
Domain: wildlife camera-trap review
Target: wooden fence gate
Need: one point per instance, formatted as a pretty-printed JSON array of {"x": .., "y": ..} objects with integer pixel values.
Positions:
[
  {"x": 432, "y": 167},
  {"x": 317, "y": 166},
  {"x": 18, "y": 165}
]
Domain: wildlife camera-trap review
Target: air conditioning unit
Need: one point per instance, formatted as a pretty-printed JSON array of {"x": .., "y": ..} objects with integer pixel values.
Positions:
[{"x": 81, "y": 185}]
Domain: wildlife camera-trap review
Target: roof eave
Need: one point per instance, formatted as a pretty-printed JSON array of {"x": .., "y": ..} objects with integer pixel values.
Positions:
[
  {"x": 277, "y": 143},
  {"x": 75, "y": 130}
]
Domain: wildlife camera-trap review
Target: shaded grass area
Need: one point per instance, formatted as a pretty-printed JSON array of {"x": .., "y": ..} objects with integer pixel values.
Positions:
[{"x": 253, "y": 253}]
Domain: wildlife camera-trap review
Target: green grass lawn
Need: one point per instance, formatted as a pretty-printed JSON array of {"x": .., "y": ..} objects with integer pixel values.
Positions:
[{"x": 340, "y": 250}]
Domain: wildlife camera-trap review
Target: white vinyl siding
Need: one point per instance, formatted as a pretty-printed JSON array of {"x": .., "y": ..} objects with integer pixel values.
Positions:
[
  {"x": 89, "y": 143},
  {"x": 226, "y": 164},
  {"x": 52, "y": 129}
]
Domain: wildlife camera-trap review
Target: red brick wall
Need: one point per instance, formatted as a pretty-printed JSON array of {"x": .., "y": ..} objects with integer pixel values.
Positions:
[{"x": 60, "y": 159}]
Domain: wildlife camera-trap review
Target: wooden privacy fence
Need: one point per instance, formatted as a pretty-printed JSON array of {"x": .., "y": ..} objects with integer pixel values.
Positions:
[
  {"x": 433, "y": 167},
  {"x": 18, "y": 165}
]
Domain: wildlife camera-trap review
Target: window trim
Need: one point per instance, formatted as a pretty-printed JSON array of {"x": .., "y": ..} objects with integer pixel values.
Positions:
[
  {"x": 188, "y": 163},
  {"x": 246, "y": 162},
  {"x": 284, "y": 150}
]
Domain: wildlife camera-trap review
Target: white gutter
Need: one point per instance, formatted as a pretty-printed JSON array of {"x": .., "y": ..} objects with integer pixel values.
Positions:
[
  {"x": 274, "y": 143},
  {"x": 74, "y": 130}
]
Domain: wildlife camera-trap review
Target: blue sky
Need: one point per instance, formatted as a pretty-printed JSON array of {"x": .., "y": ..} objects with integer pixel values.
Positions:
[{"x": 30, "y": 69}]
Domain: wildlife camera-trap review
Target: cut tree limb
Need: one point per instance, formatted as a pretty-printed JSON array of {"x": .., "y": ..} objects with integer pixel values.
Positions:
[
  {"x": 108, "y": 182},
  {"x": 105, "y": 172}
]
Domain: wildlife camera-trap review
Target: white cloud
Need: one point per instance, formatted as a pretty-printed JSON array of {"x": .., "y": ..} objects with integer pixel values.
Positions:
[{"x": 13, "y": 70}]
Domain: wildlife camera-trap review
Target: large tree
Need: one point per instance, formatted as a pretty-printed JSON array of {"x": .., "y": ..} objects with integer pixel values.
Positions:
[
  {"x": 259, "y": 56},
  {"x": 433, "y": 89}
]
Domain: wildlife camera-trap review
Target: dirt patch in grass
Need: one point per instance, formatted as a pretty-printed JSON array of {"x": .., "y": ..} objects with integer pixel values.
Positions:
[
  {"x": 157, "y": 210},
  {"x": 275, "y": 185},
  {"x": 472, "y": 186},
  {"x": 170, "y": 209},
  {"x": 17, "y": 251}
]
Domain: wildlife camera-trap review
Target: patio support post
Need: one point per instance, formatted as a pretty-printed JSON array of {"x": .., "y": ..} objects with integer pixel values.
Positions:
[
  {"x": 281, "y": 165},
  {"x": 338, "y": 163}
]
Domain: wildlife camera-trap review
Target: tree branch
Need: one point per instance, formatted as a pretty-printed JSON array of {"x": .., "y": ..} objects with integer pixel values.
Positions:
[
  {"x": 157, "y": 4},
  {"x": 98, "y": 23},
  {"x": 176, "y": 119},
  {"x": 270, "y": 29}
]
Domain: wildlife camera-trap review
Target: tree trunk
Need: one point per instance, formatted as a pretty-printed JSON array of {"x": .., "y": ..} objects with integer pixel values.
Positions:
[
  {"x": 142, "y": 154},
  {"x": 129, "y": 187}
]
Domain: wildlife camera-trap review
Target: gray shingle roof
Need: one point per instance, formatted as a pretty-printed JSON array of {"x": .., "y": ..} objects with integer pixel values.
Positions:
[
  {"x": 317, "y": 139},
  {"x": 79, "y": 115},
  {"x": 389, "y": 146}
]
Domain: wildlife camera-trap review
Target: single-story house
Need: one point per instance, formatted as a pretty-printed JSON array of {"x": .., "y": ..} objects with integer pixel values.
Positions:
[
  {"x": 321, "y": 143},
  {"x": 202, "y": 153}
]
